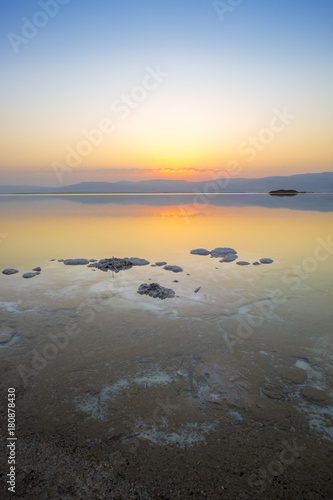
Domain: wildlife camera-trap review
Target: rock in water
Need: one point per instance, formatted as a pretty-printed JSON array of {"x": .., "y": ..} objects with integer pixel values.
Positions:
[
  {"x": 174, "y": 269},
  {"x": 266, "y": 261},
  {"x": 156, "y": 291},
  {"x": 256, "y": 263},
  {"x": 316, "y": 396},
  {"x": 29, "y": 275},
  {"x": 230, "y": 257},
  {"x": 159, "y": 264},
  {"x": 113, "y": 264},
  {"x": 222, "y": 251},
  {"x": 38, "y": 269},
  {"x": 139, "y": 262},
  {"x": 243, "y": 263},
  {"x": 76, "y": 262},
  {"x": 200, "y": 251},
  {"x": 6, "y": 334},
  {"x": 294, "y": 374},
  {"x": 10, "y": 271}
]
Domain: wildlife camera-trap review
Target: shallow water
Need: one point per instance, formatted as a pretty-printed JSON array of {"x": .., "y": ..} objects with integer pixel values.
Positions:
[{"x": 196, "y": 393}]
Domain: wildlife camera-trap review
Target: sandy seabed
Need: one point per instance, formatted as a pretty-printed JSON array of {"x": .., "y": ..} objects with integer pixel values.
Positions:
[{"x": 123, "y": 396}]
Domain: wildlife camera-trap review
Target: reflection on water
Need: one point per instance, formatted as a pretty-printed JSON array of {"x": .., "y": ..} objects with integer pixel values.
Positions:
[{"x": 154, "y": 386}]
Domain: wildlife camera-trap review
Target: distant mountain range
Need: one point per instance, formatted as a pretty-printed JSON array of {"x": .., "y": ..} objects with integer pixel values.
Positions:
[{"x": 319, "y": 183}]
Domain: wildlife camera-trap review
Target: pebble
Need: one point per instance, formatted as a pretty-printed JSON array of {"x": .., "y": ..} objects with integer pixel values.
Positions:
[
  {"x": 174, "y": 269},
  {"x": 200, "y": 251},
  {"x": 30, "y": 275},
  {"x": 38, "y": 269},
  {"x": 160, "y": 263},
  {"x": 294, "y": 374},
  {"x": 9, "y": 271},
  {"x": 266, "y": 261},
  {"x": 256, "y": 263},
  {"x": 242, "y": 263},
  {"x": 314, "y": 395},
  {"x": 197, "y": 289},
  {"x": 222, "y": 251}
]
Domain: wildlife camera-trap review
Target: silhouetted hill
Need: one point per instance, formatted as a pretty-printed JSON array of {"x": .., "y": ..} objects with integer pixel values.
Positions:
[{"x": 320, "y": 183}]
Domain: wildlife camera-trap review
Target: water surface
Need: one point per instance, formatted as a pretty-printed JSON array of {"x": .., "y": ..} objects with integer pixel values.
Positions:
[{"x": 153, "y": 387}]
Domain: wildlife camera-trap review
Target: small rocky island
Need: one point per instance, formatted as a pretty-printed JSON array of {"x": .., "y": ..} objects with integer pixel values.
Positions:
[{"x": 284, "y": 192}]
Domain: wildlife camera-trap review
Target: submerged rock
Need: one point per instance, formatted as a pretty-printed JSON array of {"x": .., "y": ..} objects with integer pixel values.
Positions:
[
  {"x": 294, "y": 374},
  {"x": 273, "y": 391},
  {"x": 230, "y": 257},
  {"x": 139, "y": 262},
  {"x": 266, "y": 261},
  {"x": 156, "y": 291},
  {"x": 76, "y": 262},
  {"x": 159, "y": 264},
  {"x": 243, "y": 263},
  {"x": 314, "y": 395},
  {"x": 9, "y": 271},
  {"x": 6, "y": 334},
  {"x": 30, "y": 275},
  {"x": 200, "y": 251},
  {"x": 222, "y": 251},
  {"x": 174, "y": 269}
]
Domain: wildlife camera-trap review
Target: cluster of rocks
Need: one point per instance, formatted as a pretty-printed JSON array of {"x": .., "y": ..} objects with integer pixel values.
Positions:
[
  {"x": 156, "y": 291},
  {"x": 116, "y": 264},
  {"x": 31, "y": 274},
  {"x": 228, "y": 255}
]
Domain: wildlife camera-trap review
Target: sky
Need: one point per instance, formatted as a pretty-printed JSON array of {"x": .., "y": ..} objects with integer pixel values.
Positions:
[{"x": 110, "y": 90}]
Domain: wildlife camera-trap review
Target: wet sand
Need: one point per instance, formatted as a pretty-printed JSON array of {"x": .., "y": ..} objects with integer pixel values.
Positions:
[{"x": 125, "y": 396}]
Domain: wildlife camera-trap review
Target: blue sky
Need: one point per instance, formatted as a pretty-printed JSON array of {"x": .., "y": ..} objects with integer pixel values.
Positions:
[{"x": 225, "y": 78}]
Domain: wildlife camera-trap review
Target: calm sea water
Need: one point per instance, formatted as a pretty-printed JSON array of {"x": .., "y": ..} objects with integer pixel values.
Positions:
[{"x": 245, "y": 362}]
